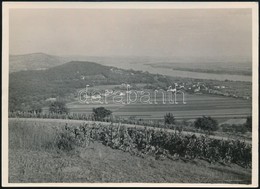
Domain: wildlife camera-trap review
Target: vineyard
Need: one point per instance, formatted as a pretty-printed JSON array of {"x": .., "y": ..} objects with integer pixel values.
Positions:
[
  {"x": 147, "y": 141},
  {"x": 161, "y": 144}
]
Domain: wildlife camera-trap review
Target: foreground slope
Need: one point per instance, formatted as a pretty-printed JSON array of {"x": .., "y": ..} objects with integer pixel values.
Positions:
[
  {"x": 98, "y": 163},
  {"x": 34, "y": 159}
]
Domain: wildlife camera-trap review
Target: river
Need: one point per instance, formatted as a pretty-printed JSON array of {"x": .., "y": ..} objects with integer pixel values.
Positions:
[{"x": 178, "y": 73}]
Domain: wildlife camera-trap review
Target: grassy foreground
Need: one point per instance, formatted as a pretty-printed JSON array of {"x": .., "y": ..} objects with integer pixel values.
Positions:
[{"x": 35, "y": 155}]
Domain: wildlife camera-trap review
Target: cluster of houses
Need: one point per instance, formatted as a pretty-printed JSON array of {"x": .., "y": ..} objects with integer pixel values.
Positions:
[{"x": 202, "y": 88}]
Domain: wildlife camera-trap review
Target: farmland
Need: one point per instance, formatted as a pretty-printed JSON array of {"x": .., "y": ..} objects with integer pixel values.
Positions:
[
  {"x": 196, "y": 105},
  {"x": 38, "y": 152}
]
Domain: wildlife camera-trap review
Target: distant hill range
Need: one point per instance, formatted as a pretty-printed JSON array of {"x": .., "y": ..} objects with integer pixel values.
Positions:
[
  {"x": 215, "y": 65},
  {"x": 34, "y": 61}
]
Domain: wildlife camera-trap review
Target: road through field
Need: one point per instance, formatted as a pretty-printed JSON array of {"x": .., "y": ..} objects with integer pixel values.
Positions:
[{"x": 108, "y": 123}]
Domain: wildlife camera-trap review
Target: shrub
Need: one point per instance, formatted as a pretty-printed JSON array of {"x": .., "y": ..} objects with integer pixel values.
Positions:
[
  {"x": 206, "y": 124},
  {"x": 58, "y": 107},
  {"x": 100, "y": 113},
  {"x": 65, "y": 141},
  {"x": 248, "y": 123},
  {"x": 169, "y": 119}
]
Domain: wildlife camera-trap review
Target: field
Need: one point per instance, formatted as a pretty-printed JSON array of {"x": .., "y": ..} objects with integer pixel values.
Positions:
[
  {"x": 222, "y": 108},
  {"x": 35, "y": 157}
]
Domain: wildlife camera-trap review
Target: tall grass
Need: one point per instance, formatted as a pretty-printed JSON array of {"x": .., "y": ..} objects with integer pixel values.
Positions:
[
  {"x": 30, "y": 136},
  {"x": 39, "y": 136}
]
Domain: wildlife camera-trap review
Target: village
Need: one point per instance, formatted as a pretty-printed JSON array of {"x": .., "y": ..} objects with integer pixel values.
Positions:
[
  {"x": 205, "y": 88},
  {"x": 124, "y": 89}
]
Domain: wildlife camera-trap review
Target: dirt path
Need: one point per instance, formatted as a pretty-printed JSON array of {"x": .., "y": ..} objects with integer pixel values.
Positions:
[{"x": 127, "y": 125}]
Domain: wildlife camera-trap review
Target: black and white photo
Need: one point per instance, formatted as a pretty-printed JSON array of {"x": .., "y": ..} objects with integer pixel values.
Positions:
[{"x": 130, "y": 94}]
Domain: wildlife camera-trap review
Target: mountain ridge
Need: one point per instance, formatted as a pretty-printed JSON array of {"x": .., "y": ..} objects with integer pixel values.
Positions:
[{"x": 40, "y": 60}]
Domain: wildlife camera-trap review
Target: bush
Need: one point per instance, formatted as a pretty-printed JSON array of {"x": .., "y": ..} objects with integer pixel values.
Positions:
[
  {"x": 169, "y": 119},
  {"x": 248, "y": 123},
  {"x": 206, "y": 124},
  {"x": 58, "y": 107},
  {"x": 66, "y": 142},
  {"x": 100, "y": 113}
]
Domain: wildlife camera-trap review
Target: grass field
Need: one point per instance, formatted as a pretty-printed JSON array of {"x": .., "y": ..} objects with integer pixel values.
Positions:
[{"x": 35, "y": 158}]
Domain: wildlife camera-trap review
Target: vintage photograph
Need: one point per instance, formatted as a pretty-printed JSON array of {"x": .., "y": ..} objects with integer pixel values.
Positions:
[{"x": 130, "y": 93}]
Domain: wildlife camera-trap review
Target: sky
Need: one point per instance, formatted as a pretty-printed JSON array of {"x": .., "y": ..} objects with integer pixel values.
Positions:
[{"x": 114, "y": 32}]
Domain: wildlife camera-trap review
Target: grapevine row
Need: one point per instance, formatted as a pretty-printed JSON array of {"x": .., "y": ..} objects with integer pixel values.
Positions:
[{"x": 162, "y": 144}]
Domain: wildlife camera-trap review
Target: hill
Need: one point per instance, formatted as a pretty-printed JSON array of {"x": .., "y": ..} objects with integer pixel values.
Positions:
[
  {"x": 34, "y": 61},
  {"x": 29, "y": 89}
]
